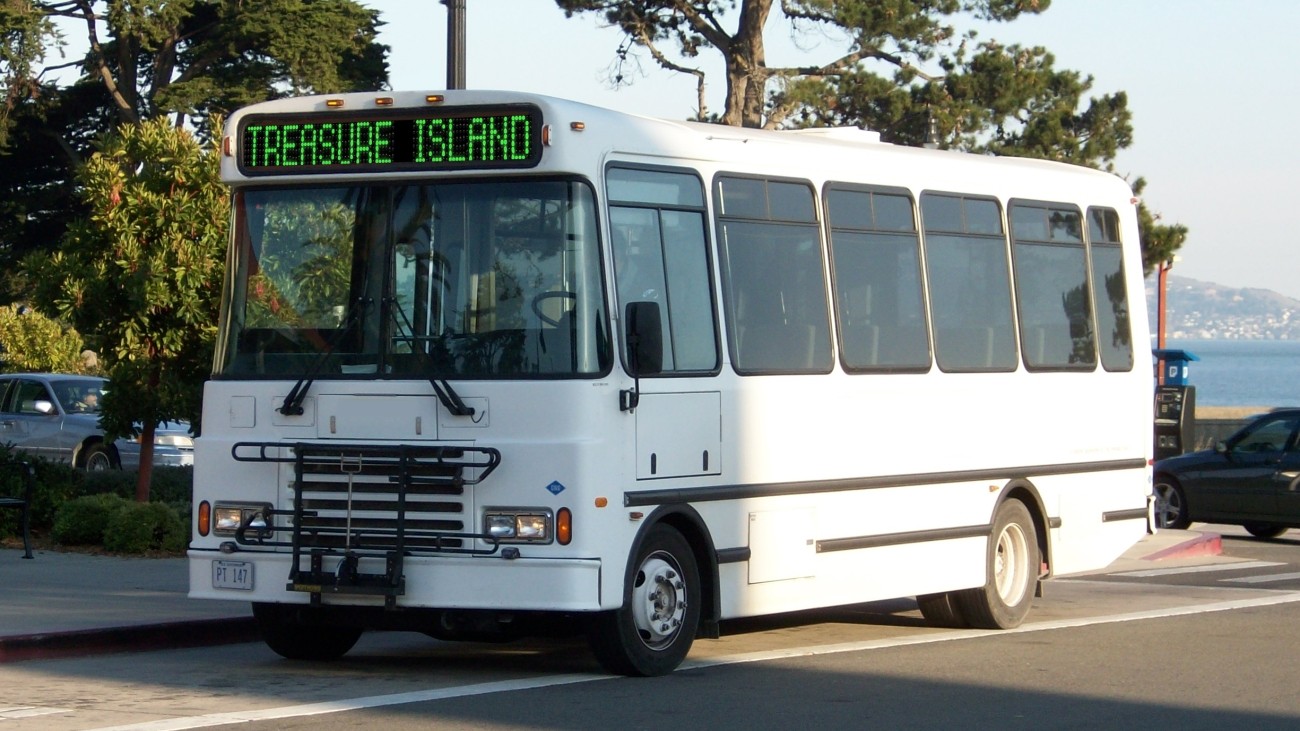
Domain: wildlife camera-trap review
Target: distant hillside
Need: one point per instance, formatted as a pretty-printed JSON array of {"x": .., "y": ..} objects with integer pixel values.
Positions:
[{"x": 1205, "y": 310}]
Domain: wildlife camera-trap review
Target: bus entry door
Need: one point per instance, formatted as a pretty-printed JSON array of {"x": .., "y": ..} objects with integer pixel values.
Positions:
[{"x": 678, "y": 435}]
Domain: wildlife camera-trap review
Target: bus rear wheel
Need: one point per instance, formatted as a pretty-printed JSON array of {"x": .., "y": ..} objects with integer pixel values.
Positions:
[
  {"x": 943, "y": 610},
  {"x": 1012, "y": 571},
  {"x": 293, "y": 635},
  {"x": 653, "y": 630}
]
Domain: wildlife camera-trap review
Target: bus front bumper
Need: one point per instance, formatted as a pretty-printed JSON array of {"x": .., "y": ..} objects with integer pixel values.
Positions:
[{"x": 453, "y": 582}]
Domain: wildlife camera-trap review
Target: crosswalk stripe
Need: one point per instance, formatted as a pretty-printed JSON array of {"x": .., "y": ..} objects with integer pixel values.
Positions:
[{"x": 1148, "y": 573}]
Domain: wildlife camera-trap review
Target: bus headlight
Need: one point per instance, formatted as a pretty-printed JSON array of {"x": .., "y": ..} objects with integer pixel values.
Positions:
[
  {"x": 519, "y": 525},
  {"x": 227, "y": 517}
]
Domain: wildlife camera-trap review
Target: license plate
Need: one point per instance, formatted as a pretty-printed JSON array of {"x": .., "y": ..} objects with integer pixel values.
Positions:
[{"x": 232, "y": 575}]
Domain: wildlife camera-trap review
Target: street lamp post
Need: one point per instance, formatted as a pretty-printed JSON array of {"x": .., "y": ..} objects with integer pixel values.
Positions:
[
  {"x": 455, "y": 43},
  {"x": 1162, "y": 286}
]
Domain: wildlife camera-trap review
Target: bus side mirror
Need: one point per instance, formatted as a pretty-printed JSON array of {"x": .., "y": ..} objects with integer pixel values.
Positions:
[
  {"x": 643, "y": 332},
  {"x": 645, "y": 340}
]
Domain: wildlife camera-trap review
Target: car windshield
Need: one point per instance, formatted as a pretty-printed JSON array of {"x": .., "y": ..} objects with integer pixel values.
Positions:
[
  {"x": 79, "y": 396},
  {"x": 491, "y": 279}
]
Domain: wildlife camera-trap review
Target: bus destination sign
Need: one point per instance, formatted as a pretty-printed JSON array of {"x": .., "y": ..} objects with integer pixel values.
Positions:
[{"x": 398, "y": 140}]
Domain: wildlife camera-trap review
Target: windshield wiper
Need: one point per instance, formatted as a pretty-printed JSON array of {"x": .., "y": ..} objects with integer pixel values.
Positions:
[
  {"x": 447, "y": 395},
  {"x": 292, "y": 405}
]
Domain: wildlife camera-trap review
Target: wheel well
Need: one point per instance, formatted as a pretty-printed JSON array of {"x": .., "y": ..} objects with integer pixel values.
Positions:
[
  {"x": 1165, "y": 476},
  {"x": 79, "y": 459},
  {"x": 686, "y": 521},
  {"x": 1026, "y": 493}
]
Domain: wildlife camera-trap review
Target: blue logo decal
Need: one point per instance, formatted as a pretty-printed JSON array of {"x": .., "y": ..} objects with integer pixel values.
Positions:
[{"x": 555, "y": 487}]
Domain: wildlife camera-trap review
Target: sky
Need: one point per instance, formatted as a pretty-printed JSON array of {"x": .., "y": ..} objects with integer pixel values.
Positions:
[{"x": 1210, "y": 84}]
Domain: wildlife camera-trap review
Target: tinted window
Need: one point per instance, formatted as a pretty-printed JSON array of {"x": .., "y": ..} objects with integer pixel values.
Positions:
[
  {"x": 877, "y": 275},
  {"x": 773, "y": 282},
  {"x": 1052, "y": 293},
  {"x": 969, "y": 283},
  {"x": 661, "y": 255},
  {"x": 1110, "y": 291}
]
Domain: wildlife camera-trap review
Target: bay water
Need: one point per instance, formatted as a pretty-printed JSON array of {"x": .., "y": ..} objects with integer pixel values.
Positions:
[{"x": 1264, "y": 373}]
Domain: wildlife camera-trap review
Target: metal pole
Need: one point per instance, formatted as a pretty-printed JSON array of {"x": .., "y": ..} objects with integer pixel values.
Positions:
[
  {"x": 1162, "y": 283},
  {"x": 455, "y": 43}
]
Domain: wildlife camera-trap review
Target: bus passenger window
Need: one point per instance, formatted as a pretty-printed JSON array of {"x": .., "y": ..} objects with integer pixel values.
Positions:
[
  {"x": 969, "y": 284},
  {"x": 876, "y": 260},
  {"x": 773, "y": 279},
  {"x": 1110, "y": 296},
  {"x": 1052, "y": 294}
]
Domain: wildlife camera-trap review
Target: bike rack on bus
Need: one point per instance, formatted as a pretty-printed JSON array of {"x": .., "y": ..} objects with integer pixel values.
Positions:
[{"x": 355, "y": 501}]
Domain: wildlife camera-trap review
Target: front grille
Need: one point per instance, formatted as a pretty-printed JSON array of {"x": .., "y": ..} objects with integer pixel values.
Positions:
[{"x": 359, "y": 500}]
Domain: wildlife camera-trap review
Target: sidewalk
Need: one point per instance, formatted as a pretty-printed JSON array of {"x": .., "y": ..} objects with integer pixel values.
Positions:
[
  {"x": 64, "y": 604},
  {"x": 67, "y": 604}
]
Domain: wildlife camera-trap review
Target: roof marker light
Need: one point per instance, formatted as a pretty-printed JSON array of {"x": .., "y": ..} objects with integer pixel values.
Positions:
[
  {"x": 577, "y": 126},
  {"x": 333, "y": 103},
  {"x": 384, "y": 101},
  {"x": 433, "y": 99}
]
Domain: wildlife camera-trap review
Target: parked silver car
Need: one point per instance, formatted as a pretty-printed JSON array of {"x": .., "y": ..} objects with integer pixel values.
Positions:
[{"x": 56, "y": 416}]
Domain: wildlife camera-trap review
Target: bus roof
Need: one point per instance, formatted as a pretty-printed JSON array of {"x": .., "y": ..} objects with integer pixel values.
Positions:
[{"x": 577, "y": 130}]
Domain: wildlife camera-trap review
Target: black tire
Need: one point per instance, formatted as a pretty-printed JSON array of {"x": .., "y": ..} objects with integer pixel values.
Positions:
[
  {"x": 1264, "y": 530},
  {"x": 654, "y": 629},
  {"x": 294, "y": 636},
  {"x": 96, "y": 458},
  {"x": 1012, "y": 570},
  {"x": 1171, "y": 504},
  {"x": 942, "y": 610}
]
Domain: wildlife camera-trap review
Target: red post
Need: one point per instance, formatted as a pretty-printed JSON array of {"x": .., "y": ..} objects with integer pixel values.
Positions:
[{"x": 1162, "y": 279}]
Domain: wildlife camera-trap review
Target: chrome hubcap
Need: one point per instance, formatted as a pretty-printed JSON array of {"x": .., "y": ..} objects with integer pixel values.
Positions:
[{"x": 658, "y": 600}]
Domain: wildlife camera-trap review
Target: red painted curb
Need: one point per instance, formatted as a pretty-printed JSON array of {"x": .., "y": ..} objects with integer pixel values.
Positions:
[
  {"x": 165, "y": 636},
  {"x": 1206, "y": 544}
]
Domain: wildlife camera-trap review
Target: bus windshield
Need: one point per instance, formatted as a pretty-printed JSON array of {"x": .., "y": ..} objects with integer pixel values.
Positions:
[{"x": 496, "y": 279}]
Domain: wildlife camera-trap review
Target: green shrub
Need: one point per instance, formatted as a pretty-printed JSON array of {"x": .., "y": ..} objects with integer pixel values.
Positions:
[
  {"x": 115, "y": 482},
  {"x": 140, "y": 527},
  {"x": 82, "y": 521},
  {"x": 55, "y": 484}
]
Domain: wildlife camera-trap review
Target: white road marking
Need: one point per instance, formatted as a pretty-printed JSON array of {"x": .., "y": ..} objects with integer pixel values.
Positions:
[
  {"x": 1199, "y": 569},
  {"x": 311, "y": 709},
  {"x": 8, "y": 714},
  {"x": 1267, "y": 578}
]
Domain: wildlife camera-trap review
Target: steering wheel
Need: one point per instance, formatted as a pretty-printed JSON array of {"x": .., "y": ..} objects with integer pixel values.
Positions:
[{"x": 544, "y": 296}]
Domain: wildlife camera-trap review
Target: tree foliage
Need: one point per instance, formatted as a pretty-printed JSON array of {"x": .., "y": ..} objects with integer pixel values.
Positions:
[
  {"x": 33, "y": 343},
  {"x": 142, "y": 273},
  {"x": 185, "y": 60},
  {"x": 905, "y": 71}
]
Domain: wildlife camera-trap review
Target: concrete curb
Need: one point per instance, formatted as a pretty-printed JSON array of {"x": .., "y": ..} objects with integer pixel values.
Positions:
[
  {"x": 163, "y": 636},
  {"x": 1203, "y": 544}
]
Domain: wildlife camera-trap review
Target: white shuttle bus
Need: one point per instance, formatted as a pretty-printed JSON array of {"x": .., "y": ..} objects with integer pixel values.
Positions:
[{"x": 490, "y": 361}]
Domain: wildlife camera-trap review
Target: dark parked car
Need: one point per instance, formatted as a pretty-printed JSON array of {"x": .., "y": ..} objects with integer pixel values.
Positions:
[
  {"x": 56, "y": 416},
  {"x": 1251, "y": 480}
]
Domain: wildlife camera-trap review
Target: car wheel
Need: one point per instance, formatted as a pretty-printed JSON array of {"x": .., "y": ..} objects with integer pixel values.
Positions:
[
  {"x": 1171, "y": 504},
  {"x": 96, "y": 458},
  {"x": 1264, "y": 530}
]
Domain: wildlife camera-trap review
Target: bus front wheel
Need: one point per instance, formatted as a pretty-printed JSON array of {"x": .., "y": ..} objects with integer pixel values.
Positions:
[
  {"x": 653, "y": 630},
  {"x": 291, "y": 634},
  {"x": 1012, "y": 572}
]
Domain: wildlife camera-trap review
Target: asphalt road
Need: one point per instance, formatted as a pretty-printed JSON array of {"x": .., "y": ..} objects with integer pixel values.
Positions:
[{"x": 1185, "y": 649}]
